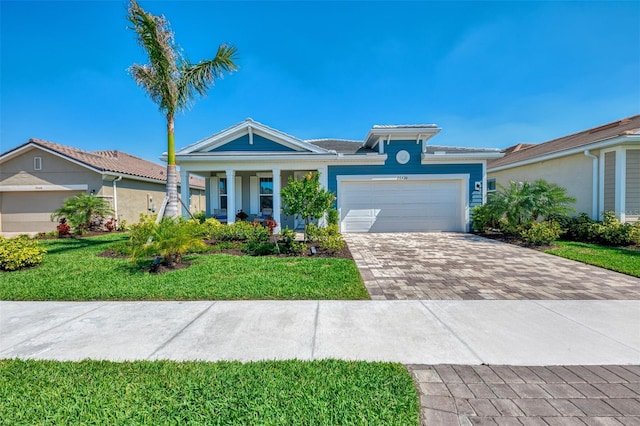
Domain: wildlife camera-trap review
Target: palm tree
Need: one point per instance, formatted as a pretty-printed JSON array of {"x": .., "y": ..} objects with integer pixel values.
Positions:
[{"x": 171, "y": 81}]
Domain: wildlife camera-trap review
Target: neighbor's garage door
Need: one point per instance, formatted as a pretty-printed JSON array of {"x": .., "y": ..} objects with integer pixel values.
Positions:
[
  {"x": 401, "y": 205},
  {"x": 31, "y": 211}
]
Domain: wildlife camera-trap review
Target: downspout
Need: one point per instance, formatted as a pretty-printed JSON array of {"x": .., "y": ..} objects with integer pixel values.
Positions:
[
  {"x": 595, "y": 197},
  {"x": 115, "y": 196}
]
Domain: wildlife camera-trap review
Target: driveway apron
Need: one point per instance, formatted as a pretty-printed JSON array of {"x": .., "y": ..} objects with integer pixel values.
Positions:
[{"x": 455, "y": 266}]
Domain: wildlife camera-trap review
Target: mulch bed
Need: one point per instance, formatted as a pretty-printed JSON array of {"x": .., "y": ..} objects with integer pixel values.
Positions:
[
  {"x": 514, "y": 240},
  {"x": 345, "y": 253}
]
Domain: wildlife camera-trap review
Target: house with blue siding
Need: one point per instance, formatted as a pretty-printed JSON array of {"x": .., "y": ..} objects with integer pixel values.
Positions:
[{"x": 395, "y": 180}]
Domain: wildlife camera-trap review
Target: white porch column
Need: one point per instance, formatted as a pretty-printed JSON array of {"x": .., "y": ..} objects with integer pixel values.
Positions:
[
  {"x": 276, "y": 198},
  {"x": 231, "y": 195},
  {"x": 184, "y": 191}
]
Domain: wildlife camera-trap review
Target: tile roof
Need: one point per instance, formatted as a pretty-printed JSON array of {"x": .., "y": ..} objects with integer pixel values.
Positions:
[
  {"x": 522, "y": 152},
  {"x": 114, "y": 161}
]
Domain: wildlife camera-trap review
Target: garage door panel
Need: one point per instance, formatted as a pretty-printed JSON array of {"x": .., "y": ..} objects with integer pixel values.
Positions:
[
  {"x": 401, "y": 206},
  {"x": 31, "y": 211}
]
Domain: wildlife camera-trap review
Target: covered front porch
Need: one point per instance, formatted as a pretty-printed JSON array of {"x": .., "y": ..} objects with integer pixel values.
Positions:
[{"x": 256, "y": 192}]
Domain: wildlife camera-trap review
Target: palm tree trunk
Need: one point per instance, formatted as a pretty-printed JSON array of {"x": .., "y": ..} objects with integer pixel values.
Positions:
[{"x": 172, "y": 209}]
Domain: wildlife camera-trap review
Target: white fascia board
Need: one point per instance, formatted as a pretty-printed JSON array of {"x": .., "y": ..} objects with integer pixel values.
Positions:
[
  {"x": 40, "y": 188},
  {"x": 200, "y": 164},
  {"x": 406, "y": 132},
  {"x": 457, "y": 158},
  {"x": 624, "y": 139}
]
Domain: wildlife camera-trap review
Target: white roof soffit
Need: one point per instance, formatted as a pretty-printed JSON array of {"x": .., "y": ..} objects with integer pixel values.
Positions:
[
  {"x": 422, "y": 132},
  {"x": 245, "y": 127}
]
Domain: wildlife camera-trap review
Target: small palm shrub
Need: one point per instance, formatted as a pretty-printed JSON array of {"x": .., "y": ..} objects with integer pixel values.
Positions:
[
  {"x": 82, "y": 210},
  {"x": 20, "y": 252},
  {"x": 170, "y": 239}
]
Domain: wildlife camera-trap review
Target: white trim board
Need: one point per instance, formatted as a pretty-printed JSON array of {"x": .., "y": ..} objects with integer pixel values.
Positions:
[{"x": 40, "y": 188}]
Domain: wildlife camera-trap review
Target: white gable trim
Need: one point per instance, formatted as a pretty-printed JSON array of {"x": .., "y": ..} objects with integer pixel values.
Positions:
[{"x": 251, "y": 128}]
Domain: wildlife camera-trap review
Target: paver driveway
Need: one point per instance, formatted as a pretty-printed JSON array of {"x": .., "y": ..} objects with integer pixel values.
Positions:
[{"x": 466, "y": 266}]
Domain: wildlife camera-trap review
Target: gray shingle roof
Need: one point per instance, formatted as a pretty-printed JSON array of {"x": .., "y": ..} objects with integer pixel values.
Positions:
[
  {"x": 522, "y": 152},
  {"x": 341, "y": 146}
]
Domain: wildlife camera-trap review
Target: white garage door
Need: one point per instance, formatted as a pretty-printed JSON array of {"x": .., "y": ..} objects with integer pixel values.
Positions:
[
  {"x": 401, "y": 205},
  {"x": 31, "y": 211}
]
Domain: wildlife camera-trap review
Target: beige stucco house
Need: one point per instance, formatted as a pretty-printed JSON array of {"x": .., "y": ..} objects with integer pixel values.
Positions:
[
  {"x": 600, "y": 167},
  {"x": 36, "y": 177}
]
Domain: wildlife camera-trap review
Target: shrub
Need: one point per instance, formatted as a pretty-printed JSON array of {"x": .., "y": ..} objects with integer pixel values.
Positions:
[
  {"x": 312, "y": 231},
  {"x": 255, "y": 248},
  {"x": 522, "y": 204},
  {"x": 63, "y": 228},
  {"x": 238, "y": 231},
  {"x": 609, "y": 232},
  {"x": 539, "y": 233},
  {"x": 298, "y": 248},
  {"x": 20, "y": 252},
  {"x": 485, "y": 217},
  {"x": 83, "y": 210},
  {"x": 171, "y": 239},
  {"x": 329, "y": 237},
  {"x": 332, "y": 243},
  {"x": 200, "y": 216},
  {"x": 211, "y": 228},
  {"x": 332, "y": 217}
]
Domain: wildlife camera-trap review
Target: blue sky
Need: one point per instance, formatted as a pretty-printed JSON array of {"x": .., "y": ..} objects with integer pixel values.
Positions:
[{"x": 491, "y": 74}]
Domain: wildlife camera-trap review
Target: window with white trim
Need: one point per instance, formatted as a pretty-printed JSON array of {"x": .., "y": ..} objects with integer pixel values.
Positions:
[
  {"x": 222, "y": 191},
  {"x": 266, "y": 193},
  {"x": 491, "y": 185},
  {"x": 37, "y": 163}
]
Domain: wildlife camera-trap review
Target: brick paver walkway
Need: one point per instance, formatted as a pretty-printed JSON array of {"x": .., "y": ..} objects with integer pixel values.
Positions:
[
  {"x": 453, "y": 395},
  {"x": 469, "y": 267}
]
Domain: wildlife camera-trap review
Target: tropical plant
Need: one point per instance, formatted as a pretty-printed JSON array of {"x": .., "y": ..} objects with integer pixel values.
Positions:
[
  {"x": 170, "y": 239},
  {"x": 525, "y": 202},
  {"x": 171, "y": 81},
  {"x": 82, "y": 209},
  {"x": 305, "y": 198}
]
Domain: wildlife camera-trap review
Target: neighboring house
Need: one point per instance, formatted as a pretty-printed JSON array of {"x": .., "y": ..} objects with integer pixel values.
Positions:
[
  {"x": 392, "y": 181},
  {"x": 600, "y": 167},
  {"x": 36, "y": 178}
]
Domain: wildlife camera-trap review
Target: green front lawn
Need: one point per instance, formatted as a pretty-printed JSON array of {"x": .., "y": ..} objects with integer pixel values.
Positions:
[
  {"x": 626, "y": 261},
  {"x": 71, "y": 270},
  {"x": 325, "y": 392}
]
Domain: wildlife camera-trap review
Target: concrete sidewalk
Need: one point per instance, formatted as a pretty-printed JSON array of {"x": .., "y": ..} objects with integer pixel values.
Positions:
[{"x": 412, "y": 332}]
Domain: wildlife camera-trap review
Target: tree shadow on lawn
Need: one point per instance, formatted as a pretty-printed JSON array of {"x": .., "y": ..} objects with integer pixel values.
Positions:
[{"x": 64, "y": 245}]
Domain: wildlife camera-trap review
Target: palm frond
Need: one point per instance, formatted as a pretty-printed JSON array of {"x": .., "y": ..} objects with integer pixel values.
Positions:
[
  {"x": 196, "y": 79},
  {"x": 155, "y": 36}
]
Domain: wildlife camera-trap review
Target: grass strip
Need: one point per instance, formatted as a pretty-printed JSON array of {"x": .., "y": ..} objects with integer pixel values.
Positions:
[
  {"x": 626, "y": 261},
  {"x": 327, "y": 392},
  {"x": 71, "y": 270}
]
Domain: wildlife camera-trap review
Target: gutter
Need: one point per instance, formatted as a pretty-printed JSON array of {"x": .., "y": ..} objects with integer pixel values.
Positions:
[
  {"x": 115, "y": 196},
  {"x": 595, "y": 186}
]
